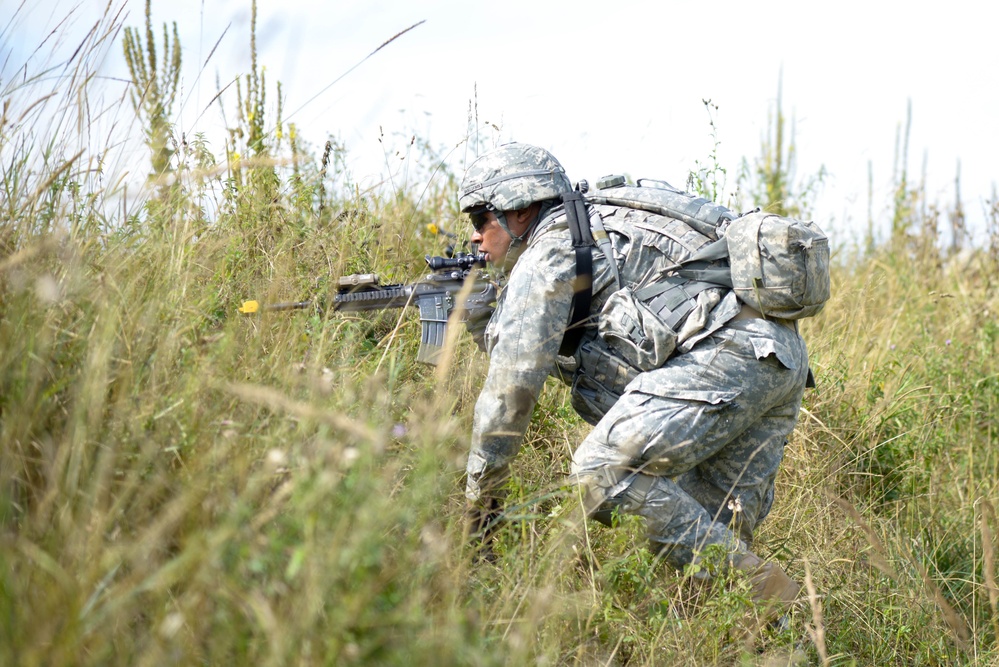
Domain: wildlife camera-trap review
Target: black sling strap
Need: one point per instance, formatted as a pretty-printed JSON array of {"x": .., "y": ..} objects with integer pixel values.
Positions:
[{"x": 578, "y": 220}]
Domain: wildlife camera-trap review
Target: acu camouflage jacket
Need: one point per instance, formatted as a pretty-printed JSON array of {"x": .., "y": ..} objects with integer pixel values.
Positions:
[{"x": 526, "y": 330}]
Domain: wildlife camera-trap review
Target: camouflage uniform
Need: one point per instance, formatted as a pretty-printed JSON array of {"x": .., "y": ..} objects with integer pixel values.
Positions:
[{"x": 692, "y": 446}]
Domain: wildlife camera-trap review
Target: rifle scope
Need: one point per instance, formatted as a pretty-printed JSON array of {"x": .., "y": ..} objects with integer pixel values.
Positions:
[{"x": 460, "y": 261}]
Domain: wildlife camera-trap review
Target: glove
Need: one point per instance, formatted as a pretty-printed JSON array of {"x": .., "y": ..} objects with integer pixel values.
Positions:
[
  {"x": 476, "y": 319},
  {"x": 478, "y": 312}
]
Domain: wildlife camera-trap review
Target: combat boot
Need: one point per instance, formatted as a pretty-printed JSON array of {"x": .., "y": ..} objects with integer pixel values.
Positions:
[
  {"x": 770, "y": 584},
  {"x": 772, "y": 589}
]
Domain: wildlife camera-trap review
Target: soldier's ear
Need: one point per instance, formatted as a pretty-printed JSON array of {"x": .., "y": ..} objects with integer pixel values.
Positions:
[{"x": 526, "y": 215}]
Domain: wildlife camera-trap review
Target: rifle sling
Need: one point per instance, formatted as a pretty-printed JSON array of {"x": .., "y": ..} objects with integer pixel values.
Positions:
[
  {"x": 699, "y": 275},
  {"x": 578, "y": 220}
]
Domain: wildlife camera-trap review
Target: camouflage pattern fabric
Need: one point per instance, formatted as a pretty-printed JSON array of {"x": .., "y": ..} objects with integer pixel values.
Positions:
[
  {"x": 780, "y": 266},
  {"x": 708, "y": 428},
  {"x": 511, "y": 178}
]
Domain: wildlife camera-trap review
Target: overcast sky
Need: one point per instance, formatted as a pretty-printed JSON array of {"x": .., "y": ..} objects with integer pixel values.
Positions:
[{"x": 606, "y": 86}]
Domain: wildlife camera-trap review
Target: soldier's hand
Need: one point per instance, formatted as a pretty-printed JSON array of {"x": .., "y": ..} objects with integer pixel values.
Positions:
[{"x": 476, "y": 319}]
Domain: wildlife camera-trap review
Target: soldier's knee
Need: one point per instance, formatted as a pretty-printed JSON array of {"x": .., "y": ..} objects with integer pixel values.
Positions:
[{"x": 606, "y": 491}]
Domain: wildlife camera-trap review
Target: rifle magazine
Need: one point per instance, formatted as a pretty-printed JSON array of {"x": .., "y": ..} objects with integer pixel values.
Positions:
[{"x": 434, "y": 312}]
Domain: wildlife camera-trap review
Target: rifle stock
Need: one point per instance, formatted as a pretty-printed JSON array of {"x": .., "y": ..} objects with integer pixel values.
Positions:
[{"x": 436, "y": 297}]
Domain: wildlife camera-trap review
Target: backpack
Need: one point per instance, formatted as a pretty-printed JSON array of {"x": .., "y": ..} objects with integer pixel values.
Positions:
[
  {"x": 779, "y": 266},
  {"x": 775, "y": 264}
]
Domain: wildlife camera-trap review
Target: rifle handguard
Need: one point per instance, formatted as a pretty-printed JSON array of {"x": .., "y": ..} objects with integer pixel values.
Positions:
[{"x": 435, "y": 296}]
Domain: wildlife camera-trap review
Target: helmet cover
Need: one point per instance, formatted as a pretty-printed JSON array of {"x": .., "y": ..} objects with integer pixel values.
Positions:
[{"x": 511, "y": 178}]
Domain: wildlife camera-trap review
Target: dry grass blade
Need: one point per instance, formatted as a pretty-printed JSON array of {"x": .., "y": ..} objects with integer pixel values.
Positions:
[
  {"x": 988, "y": 517},
  {"x": 879, "y": 557},
  {"x": 55, "y": 174},
  {"x": 275, "y": 400},
  {"x": 27, "y": 254},
  {"x": 955, "y": 623},
  {"x": 358, "y": 64},
  {"x": 817, "y": 630}
]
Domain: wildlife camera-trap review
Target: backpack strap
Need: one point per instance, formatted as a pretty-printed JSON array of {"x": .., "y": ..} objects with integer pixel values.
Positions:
[
  {"x": 578, "y": 220},
  {"x": 701, "y": 266}
]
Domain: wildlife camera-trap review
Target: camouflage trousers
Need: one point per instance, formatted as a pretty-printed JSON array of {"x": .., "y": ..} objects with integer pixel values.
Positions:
[{"x": 694, "y": 447}]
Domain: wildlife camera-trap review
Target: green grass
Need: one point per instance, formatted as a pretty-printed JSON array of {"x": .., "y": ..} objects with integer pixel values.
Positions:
[{"x": 182, "y": 485}]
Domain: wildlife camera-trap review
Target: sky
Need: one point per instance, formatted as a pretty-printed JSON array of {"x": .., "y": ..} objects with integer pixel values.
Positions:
[{"x": 606, "y": 87}]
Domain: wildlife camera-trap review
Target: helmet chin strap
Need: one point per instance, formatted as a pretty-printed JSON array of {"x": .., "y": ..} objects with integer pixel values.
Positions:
[{"x": 517, "y": 242}]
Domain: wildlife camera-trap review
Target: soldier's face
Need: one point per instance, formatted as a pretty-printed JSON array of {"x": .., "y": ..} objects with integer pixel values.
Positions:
[{"x": 493, "y": 240}]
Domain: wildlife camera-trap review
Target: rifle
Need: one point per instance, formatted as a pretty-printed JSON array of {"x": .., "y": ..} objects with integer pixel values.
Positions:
[{"x": 436, "y": 296}]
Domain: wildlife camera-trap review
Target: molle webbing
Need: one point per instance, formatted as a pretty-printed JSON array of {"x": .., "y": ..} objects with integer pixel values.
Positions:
[
  {"x": 672, "y": 299},
  {"x": 699, "y": 210},
  {"x": 702, "y": 265},
  {"x": 578, "y": 220}
]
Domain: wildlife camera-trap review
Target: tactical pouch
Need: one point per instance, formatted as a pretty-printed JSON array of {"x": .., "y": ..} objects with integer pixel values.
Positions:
[
  {"x": 639, "y": 335},
  {"x": 599, "y": 381},
  {"x": 641, "y": 325},
  {"x": 780, "y": 266}
]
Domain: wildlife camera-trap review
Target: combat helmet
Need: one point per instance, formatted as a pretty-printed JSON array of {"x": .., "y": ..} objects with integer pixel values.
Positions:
[{"x": 512, "y": 177}]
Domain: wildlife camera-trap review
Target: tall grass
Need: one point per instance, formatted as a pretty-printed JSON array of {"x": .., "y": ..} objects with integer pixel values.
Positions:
[{"x": 180, "y": 485}]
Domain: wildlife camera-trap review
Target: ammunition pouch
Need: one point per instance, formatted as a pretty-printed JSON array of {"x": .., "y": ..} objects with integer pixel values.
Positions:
[{"x": 642, "y": 324}]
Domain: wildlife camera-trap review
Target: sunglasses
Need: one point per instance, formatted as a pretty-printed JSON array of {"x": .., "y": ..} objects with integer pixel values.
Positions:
[{"x": 478, "y": 217}]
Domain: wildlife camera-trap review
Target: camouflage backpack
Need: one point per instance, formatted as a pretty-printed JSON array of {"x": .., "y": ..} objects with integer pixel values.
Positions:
[
  {"x": 779, "y": 266},
  {"x": 775, "y": 264}
]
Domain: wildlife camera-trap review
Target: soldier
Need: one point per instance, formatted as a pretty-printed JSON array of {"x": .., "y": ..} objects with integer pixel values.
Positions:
[{"x": 693, "y": 445}]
